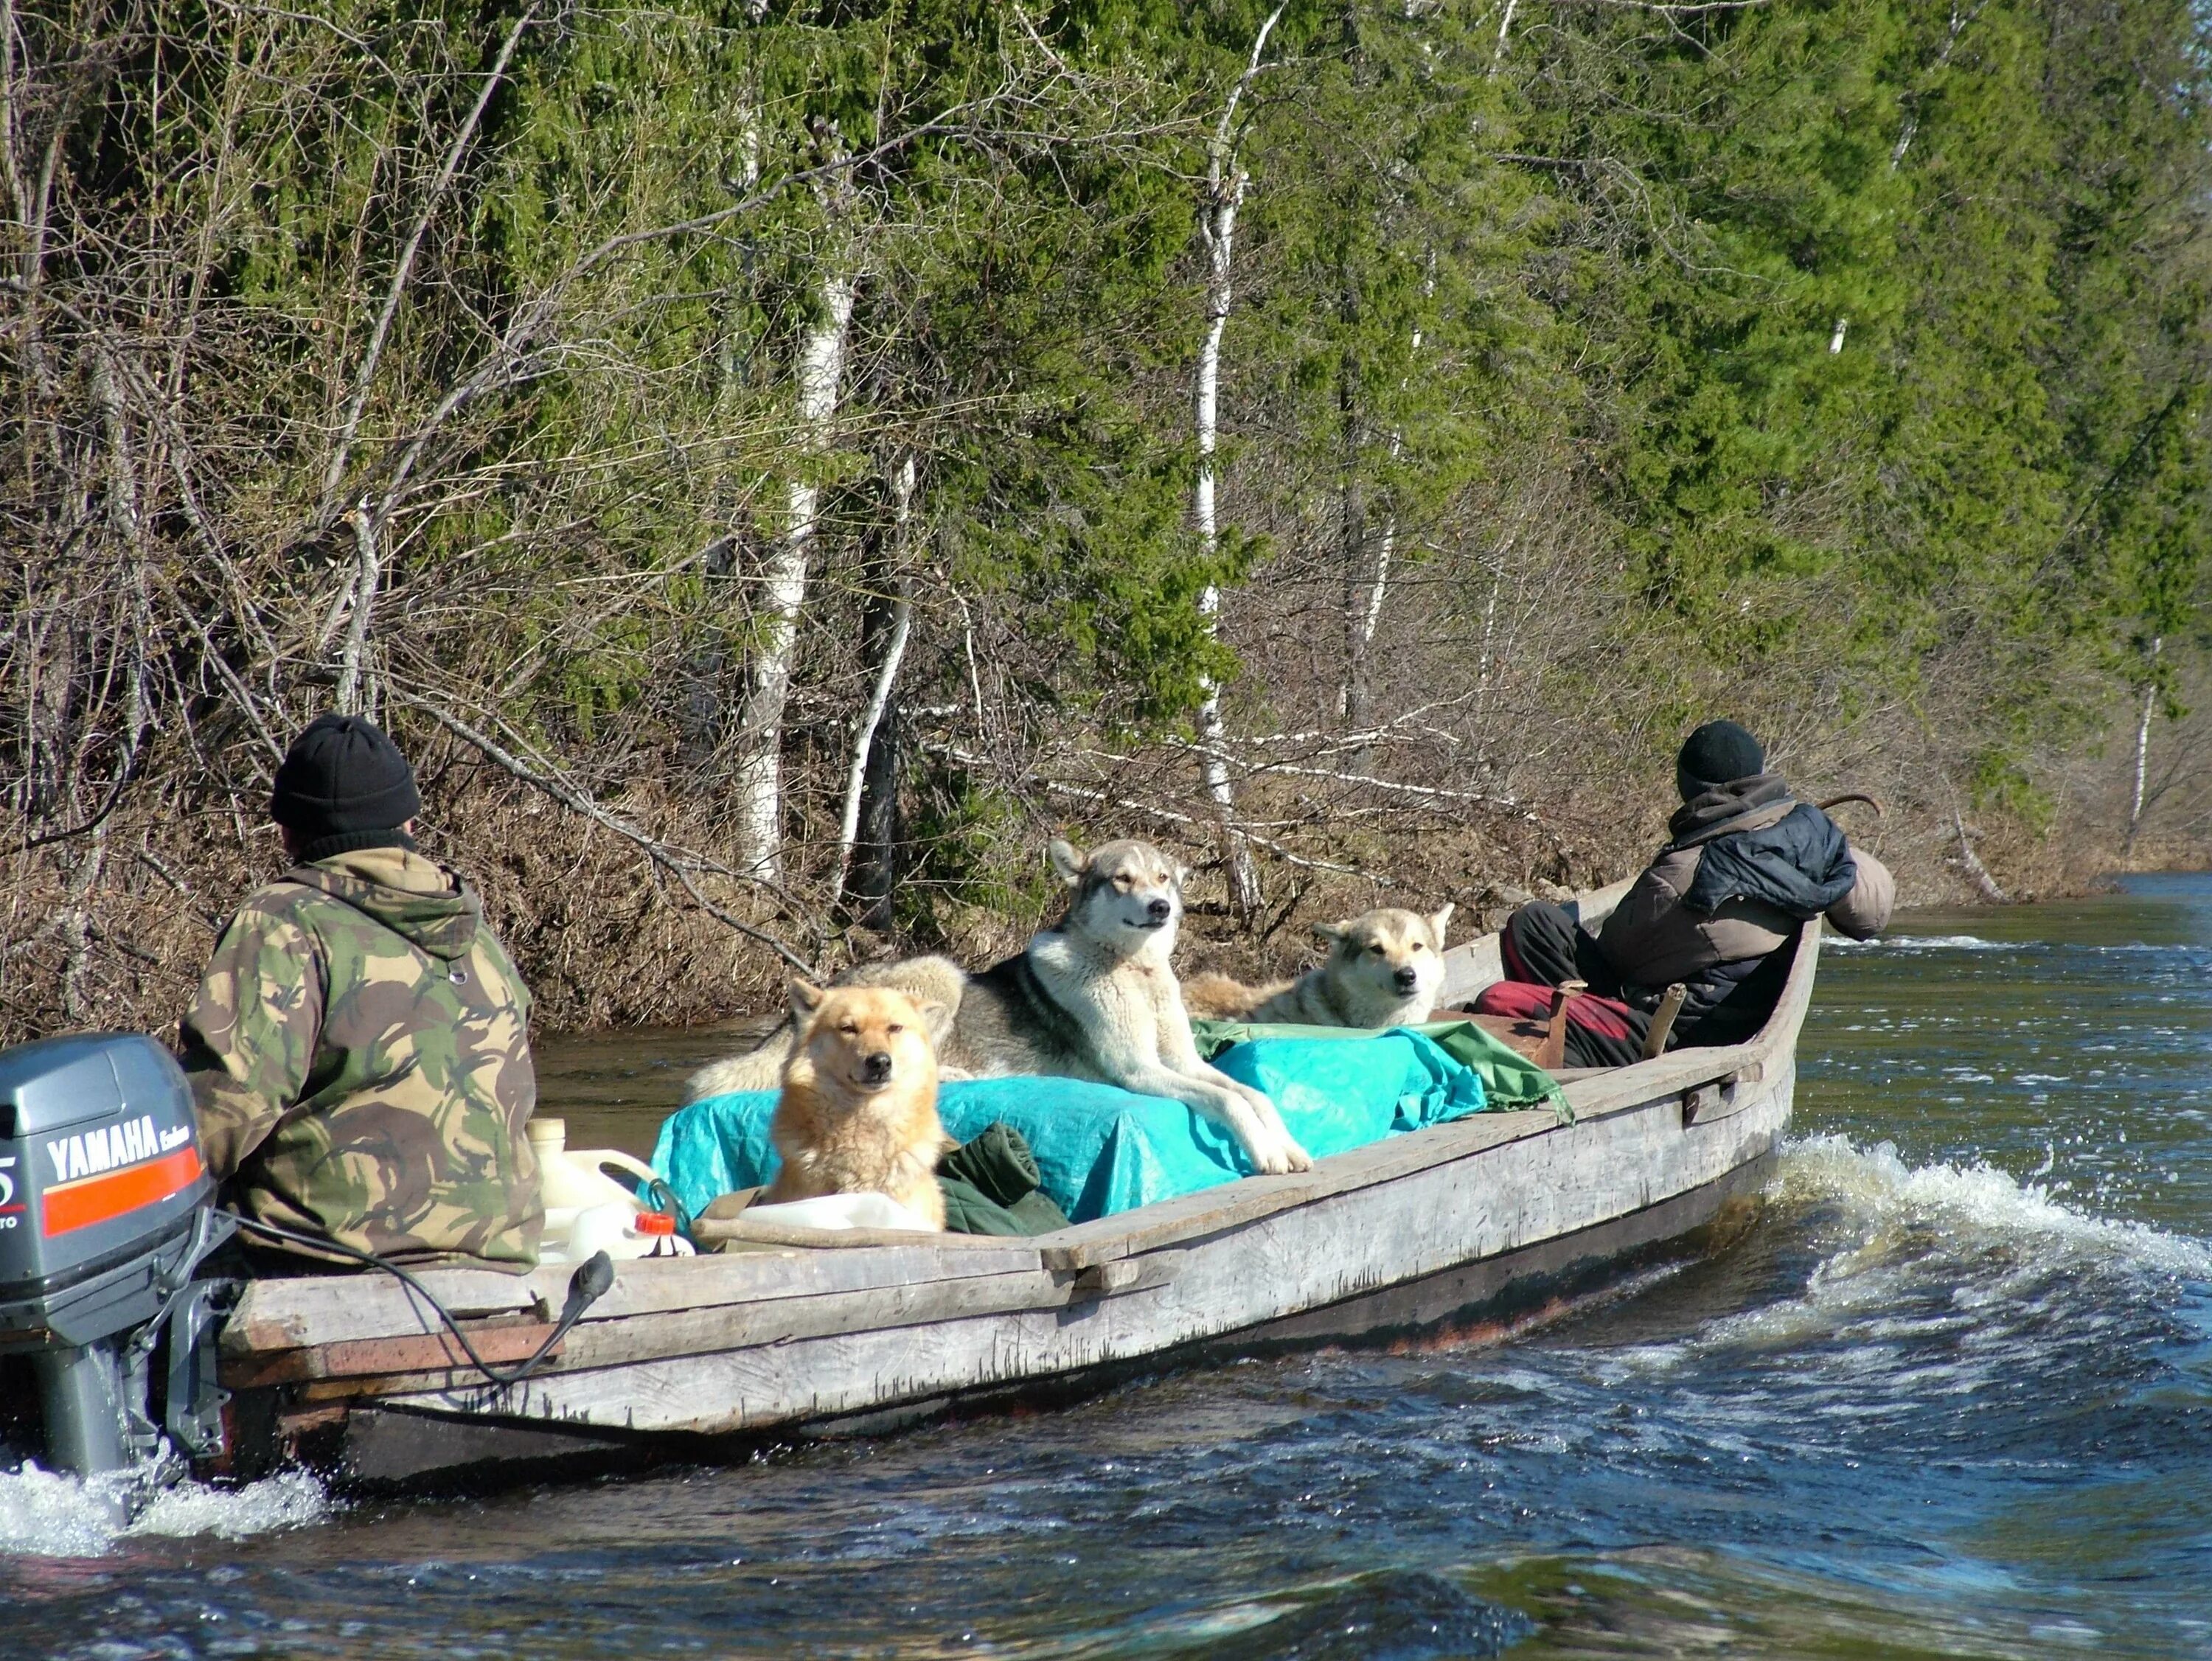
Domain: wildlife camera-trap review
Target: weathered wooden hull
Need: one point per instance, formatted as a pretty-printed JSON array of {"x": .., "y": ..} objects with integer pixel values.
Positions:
[{"x": 1476, "y": 1221}]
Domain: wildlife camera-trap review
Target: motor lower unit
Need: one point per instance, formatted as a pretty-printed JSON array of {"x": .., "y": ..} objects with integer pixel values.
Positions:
[{"x": 107, "y": 1210}]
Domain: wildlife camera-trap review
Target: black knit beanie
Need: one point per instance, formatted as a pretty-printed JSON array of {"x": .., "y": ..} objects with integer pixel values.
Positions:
[
  {"x": 1718, "y": 753},
  {"x": 344, "y": 785}
]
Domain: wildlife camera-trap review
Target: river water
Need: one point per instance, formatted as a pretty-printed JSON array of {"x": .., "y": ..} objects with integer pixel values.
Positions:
[{"x": 1951, "y": 1395}]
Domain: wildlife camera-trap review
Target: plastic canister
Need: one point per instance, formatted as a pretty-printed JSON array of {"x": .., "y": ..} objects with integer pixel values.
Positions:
[
  {"x": 571, "y": 1181},
  {"x": 621, "y": 1232},
  {"x": 587, "y": 1210}
]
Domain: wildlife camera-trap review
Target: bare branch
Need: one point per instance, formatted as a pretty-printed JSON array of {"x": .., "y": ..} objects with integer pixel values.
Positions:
[
  {"x": 365, "y": 377},
  {"x": 676, "y": 862}
]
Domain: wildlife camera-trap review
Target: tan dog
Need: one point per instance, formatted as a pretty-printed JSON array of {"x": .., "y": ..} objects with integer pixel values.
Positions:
[
  {"x": 859, "y": 1110},
  {"x": 1384, "y": 968}
]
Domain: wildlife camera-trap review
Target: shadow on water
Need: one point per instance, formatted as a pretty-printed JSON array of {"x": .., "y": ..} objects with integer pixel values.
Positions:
[{"x": 1950, "y": 1394}]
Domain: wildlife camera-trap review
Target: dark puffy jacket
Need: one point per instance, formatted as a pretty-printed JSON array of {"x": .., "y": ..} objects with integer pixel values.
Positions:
[{"x": 1747, "y": 865}]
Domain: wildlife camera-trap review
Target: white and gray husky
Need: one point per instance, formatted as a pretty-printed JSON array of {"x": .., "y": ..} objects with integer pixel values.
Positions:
[
  {"x": 1093, "y": 998},
  {"x": 1384, "y": 968}
]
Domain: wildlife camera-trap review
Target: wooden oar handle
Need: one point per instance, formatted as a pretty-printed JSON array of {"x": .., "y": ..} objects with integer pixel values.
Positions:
[
  {"x": 1554, "y": 1053},
  {"x": 1662, "y": 1021},
  {"x": 719, "y": 1234}
]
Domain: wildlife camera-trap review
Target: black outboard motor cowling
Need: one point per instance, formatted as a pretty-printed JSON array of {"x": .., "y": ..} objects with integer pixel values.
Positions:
[{"x": 106, "y": 1210}]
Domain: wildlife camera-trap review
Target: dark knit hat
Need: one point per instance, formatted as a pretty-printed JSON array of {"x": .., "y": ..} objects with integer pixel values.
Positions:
[
  {"x": 1718, "y": 753},
  {"x": 344, "y": 785}
]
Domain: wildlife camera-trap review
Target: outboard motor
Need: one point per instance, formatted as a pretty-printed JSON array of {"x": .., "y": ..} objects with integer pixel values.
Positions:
[{"x": 106, "y": 1211}]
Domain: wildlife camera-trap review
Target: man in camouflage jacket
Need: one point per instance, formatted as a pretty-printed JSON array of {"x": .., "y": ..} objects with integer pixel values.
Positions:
[{"x": 359, "y": 1050}]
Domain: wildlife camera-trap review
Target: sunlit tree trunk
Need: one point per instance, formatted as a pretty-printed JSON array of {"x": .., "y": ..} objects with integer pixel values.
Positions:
[
  {"x": 2142, "y": 746},
  {"x": 1224, "y": 194},
  {"x": 1352, "y": 530},
  {"x": 760, "y": 767},
  {"x": 885, "y": 626},
  {"x": 368, "y": 575}
]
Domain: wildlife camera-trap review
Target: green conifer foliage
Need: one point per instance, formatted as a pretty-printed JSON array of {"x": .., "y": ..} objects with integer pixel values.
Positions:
[{"x": 1591, "y": 369}]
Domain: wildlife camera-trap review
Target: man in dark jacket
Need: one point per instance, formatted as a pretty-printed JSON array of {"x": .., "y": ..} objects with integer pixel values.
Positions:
[{"x": 1746, "y": 864}]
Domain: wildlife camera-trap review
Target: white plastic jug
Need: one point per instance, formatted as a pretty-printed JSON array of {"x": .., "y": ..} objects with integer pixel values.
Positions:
[
  {"x": 569, "y": 1181},
  {"x": 587, "y": 1210},
  {"x": 614, "y": 1230}
]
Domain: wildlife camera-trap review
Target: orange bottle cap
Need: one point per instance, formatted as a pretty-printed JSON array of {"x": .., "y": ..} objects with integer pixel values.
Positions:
[{"x": 655, "y": 1223}]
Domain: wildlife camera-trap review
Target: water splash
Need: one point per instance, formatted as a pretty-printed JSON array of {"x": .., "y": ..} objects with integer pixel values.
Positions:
[
  {"x": 46, "y": 1513},
  {"x": 1978, "y": 1202}
]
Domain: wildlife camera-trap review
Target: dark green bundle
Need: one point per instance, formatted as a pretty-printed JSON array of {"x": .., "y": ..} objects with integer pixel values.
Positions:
[{"x": 991, "y": 1187}]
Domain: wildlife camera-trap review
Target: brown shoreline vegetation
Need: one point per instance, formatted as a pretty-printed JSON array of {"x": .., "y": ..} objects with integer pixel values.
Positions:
[
  {"x": 772, "y": 467},
  {"x": 608, "y": 939}
]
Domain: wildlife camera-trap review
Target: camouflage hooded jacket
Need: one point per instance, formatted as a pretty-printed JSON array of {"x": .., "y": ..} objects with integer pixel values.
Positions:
[{"x": 360, "y": 1058}]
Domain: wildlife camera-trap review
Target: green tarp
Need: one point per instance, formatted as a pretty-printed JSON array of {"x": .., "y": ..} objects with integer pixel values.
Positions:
[
  {"x": 1100, "y": 1150},
  {"x": 991, "y": 1185}
]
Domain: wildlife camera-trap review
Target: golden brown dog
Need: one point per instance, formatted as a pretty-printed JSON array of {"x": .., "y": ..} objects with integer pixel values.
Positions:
[{"x": 859, "y": 1110}]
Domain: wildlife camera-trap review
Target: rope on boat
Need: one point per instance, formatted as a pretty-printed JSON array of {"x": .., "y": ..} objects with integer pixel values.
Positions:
[{"x": 586, "y": 1287}]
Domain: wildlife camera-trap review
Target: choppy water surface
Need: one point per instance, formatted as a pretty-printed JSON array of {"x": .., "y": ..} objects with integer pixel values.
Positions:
[{"x": 1951, "y": 1395}]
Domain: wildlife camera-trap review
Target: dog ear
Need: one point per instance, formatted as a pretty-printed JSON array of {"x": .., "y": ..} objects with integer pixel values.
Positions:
[
  {"x": 1329, "y": 933},
  {"x": 1066, "y": 865},
  {"x": 1181, "y": 876},
  {"x": 932, "y": 1012},
  {"x": 805, "y": 999},
  {"x": 1440, "y": 921}
]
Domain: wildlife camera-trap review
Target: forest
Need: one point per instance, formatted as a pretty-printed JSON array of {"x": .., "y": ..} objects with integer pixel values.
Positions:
[{"x": 772, "y": 465}]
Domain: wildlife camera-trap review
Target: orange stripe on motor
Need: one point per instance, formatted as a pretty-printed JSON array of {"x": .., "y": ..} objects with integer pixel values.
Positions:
[{"x": 96, "y": 1199}]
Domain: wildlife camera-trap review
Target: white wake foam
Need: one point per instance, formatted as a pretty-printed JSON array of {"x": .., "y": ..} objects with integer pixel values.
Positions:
[
  {"x": 1979, "y": 1236},
  {"x": 1977, "y": 1201},
  {"x": 44, "y": 1513}
]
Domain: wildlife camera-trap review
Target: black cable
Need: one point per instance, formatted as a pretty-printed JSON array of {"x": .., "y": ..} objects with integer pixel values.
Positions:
[{"x": 586, "y": 1287}]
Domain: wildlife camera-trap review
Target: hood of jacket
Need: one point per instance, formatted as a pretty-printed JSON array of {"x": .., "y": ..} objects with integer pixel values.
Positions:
[
  {"x": 422, "y": 902},
  {"x": 1749, "y": 803}
]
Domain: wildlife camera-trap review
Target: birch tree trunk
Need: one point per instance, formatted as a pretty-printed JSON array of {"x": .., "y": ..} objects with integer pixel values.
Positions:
[
  {"x": 885, "y": 626},
  {"x": 1505, "y": 35},
  {"x": 2142, "y": 746},
  {"x": 1970, "y": 863},
  {"x": 1360, "y": 640},
  {"x": 760, "y": 768},
  {"x": 1225, "y": 182},
  {"x": 1220, "y": 230}
]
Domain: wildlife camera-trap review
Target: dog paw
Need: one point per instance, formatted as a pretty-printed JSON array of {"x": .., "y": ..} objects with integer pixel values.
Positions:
[
  {"x": 1277, "y": 1154},
  {"x": 1271, "y": 1160}
]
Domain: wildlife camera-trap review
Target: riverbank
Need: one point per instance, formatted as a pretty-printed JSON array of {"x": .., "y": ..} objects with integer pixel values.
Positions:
[{"x": 115, "y": 935}]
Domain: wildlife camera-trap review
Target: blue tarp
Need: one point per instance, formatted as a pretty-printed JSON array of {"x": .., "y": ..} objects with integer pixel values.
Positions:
[{"x": 1103, "y": 1149}]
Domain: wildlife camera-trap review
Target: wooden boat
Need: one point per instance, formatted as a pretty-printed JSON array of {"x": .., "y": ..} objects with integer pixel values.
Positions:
[{"x": 1472, "y": 1224}]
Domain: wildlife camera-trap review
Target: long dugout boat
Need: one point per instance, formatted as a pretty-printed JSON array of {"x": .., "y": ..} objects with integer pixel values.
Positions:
[{"x": 1455, "y": 1231}]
